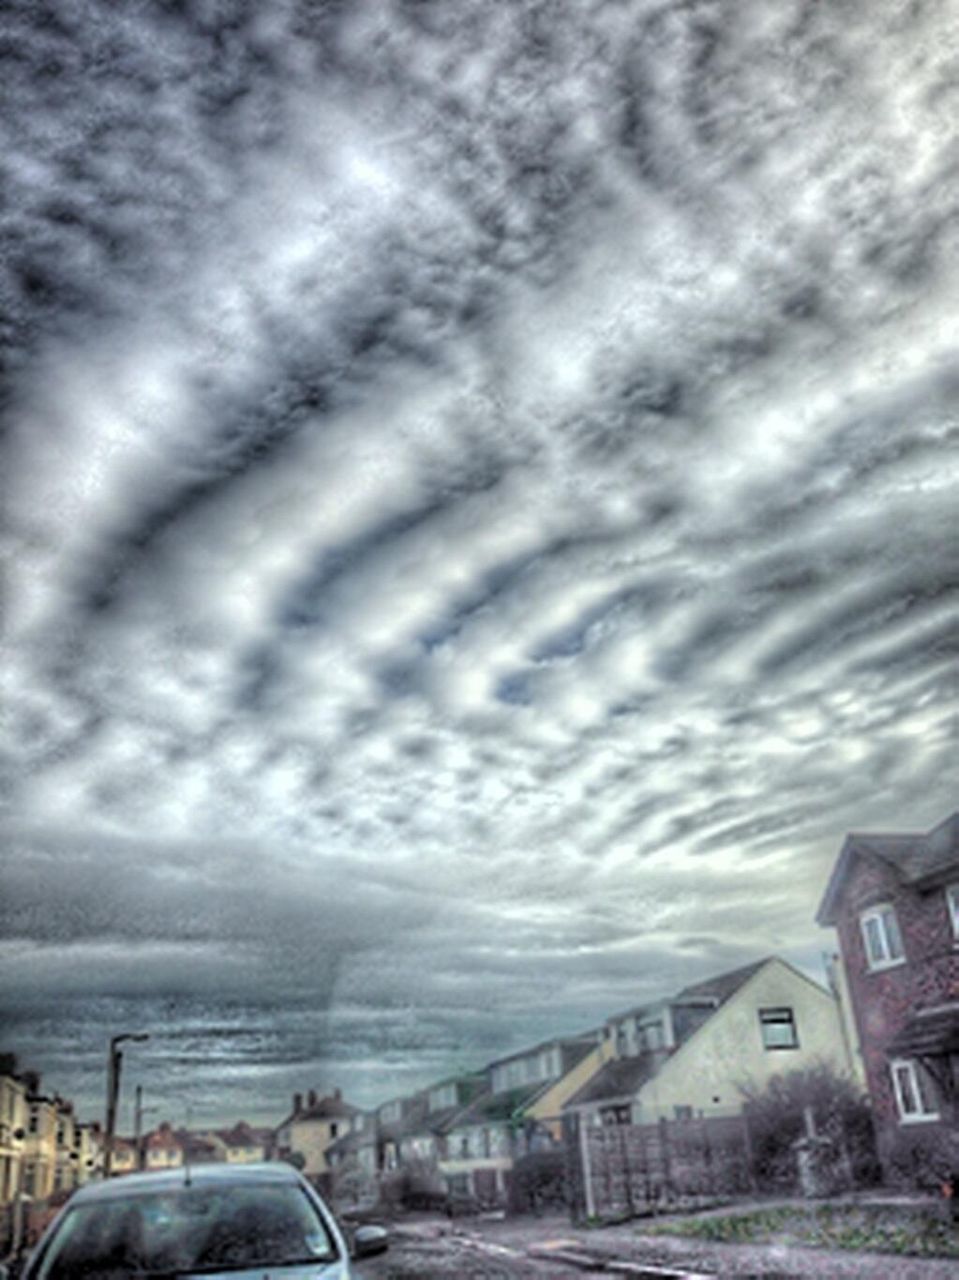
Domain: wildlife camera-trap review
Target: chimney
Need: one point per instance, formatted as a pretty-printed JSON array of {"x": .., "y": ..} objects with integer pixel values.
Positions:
[
  {"x": 311, "y": 1098},
  {"x": 297, "y": 1103},
  {"x": 337, "y": 1095}
]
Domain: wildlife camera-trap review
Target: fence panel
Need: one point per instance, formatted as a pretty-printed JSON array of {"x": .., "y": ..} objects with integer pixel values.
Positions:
[{"x": 638, "y": 1169}]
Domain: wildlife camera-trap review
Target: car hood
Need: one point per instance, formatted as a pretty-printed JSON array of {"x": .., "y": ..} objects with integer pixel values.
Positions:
[{"x": 306, "y": 1271}]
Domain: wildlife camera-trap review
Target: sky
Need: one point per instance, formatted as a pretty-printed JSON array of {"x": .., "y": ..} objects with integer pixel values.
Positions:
[{"x": 478, "y": 515}]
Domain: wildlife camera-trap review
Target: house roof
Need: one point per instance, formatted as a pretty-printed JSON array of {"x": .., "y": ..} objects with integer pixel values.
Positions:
[
  {"x": 718, "y": 988},
  {"x": 493, "y": 1108},
  {"x": 411, "y": 1121},
  {"x": 241, "y": 1135},
  {"x": 929, "y": 1033},
  {"x": 577, "y": 1045},
  {"x": 332, "y": 1107},
  {"x": 619, "y": 1078},
  {"x": 352, "y": 1141},
  {"x": 915, "y": 857},
  {"x": 198, "y": 1144},
  {"x": 162, "y": 1139},
  {"x": 722, "y": 985}
]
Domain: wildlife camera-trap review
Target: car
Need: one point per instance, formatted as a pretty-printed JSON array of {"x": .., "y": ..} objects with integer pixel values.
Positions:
[{"x": 245, "y": 1222}]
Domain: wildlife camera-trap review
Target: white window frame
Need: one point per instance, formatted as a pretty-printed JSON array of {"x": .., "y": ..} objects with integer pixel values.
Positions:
[
  {"x": 924, "y": 1112},
  {"x": 778, "y": 1016},
  {"x": 879, "y": 914},
  {"x": 952, "y": 906}
]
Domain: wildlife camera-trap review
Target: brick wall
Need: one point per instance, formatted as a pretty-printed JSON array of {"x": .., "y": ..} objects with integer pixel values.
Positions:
[{"x": 884, "y": 999}]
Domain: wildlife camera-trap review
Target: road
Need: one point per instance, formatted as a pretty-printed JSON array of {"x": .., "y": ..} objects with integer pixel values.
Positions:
[
  {"x": 539, "y": 1248},
  {"x": 449, "y": 1258}
]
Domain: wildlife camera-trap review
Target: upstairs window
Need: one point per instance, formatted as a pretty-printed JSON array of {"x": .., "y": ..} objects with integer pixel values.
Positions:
[
  {"x": 914, "y": 1096},
  {"x": 952, "y": 902},
  {"x": 881, "y": 937},
  {"x": 778, "y": 1027}
]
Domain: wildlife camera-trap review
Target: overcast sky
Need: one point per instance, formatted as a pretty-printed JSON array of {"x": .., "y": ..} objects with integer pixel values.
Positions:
[{"x": 479, "y": 504}]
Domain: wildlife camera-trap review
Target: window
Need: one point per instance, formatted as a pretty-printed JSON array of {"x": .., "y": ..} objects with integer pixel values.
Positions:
[
  {"x": 914, "y": 1096},
  {"x": 952, "y": 902},
  {"x": 333, "y": 1129},
  {"x": 778, "y": 1027},
  {"x": 881, "y": 936},
  {"x": 682, "y": 1111}
]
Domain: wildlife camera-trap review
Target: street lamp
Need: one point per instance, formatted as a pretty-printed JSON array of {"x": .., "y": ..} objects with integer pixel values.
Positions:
[{"x": 114, "y": 1062}]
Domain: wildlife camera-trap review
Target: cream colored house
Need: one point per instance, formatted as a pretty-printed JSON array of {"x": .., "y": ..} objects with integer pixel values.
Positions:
[
  {"x": 123, "y": 1158},
  {"x": 311, "y": 1129},
  {"x": 242, "y": 1144},
  {"x": 66, "y": 1169},
  {"x": 162, "y": 1149},
  {"x": 40, "y": 1147},
  {"x": 90, "y": 1152},
  {"x": 702, "y": 1051},
  {"x": 13, "y": 1132}
]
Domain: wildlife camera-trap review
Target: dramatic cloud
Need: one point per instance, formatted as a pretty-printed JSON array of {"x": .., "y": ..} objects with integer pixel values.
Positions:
[{"x": 478, "y": 484}]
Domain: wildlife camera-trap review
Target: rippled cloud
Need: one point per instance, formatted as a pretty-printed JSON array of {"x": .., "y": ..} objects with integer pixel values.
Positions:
[{"x": 478, "y": 485}]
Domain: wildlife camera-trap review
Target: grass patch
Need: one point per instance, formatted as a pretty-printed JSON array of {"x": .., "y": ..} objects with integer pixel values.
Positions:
[{"x": 876, "y": 1230}]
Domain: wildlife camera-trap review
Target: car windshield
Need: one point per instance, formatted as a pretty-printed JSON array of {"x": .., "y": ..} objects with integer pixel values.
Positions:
[{"x": 188, "y": 1230}]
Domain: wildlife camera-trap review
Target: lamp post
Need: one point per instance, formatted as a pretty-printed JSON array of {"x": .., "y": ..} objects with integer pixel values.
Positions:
[{"x": 114, "y": 1062}]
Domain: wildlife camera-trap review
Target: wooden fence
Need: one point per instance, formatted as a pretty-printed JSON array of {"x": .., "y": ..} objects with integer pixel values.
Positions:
[{"x": 623, "y": 1170}]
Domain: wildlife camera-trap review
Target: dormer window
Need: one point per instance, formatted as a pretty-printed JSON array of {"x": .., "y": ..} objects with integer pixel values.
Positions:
[{"x": 881, "y": 937}]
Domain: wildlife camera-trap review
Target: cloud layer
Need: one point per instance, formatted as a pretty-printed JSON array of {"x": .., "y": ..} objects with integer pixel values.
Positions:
[{"x": 478, "y": 487}]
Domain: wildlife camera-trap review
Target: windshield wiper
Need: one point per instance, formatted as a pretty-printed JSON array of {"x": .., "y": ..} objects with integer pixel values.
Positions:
[{"x": 224, "y": 1268}]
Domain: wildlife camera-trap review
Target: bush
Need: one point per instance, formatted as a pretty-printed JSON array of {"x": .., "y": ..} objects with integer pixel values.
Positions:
[
  {"x": 924, "y": 1158},
  {"x": 842, "y": 1116},
  {"x": 538, "y": 1182},
  {"x": 415, "y": 1186}
]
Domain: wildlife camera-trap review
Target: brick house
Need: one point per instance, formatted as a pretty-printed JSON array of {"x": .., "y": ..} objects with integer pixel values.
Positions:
[{"x": 894, "y": 902}]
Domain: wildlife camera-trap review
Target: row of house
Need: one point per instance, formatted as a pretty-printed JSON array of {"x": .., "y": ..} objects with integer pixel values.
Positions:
[
  {"x": 695, "y": 1053},
  {"x": 889, "y": 1021},
  {"x": 43, "y": 1146}
]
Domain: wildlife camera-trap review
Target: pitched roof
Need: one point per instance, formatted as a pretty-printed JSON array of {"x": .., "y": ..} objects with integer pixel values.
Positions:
[
  {"x": 411, "y": 1120},
  {"x": 929, "y": 1033},
  {"x": 493, "y": 1108},
  {"x": 722, "y": 985},
  {"x": 162, "y": 1139},
  {"x": 915, "y": 857},
  {"x": 578, "y": 1046},
  {"x": 352, "y": 1141},
  {"x": 331, "y": 1107},
  {"x": 718, "y": 988},
  {"x": 241, "y": 1135},
  {"x": 619, "y": 1078}
]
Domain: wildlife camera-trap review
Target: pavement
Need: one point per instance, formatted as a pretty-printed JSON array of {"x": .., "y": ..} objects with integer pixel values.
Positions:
[{"x": 550, "y": 1245}]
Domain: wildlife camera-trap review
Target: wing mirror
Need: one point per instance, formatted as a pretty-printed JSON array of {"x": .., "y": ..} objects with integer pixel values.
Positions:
[{"x": 368, "y": 1241}]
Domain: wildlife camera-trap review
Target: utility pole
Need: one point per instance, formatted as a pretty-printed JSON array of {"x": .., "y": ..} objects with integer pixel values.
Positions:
[
  {"x": 114, "y": 1062},
  {"x": 139, "y": 1111}
]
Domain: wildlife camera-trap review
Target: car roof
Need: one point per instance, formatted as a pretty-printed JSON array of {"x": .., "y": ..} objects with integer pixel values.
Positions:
[{"x": 273, "y": 1173}]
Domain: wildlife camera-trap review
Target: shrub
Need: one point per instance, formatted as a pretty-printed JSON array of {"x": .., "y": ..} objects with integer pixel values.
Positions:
[
  {"x": 922, "y": 1158},
  {"x": 842, "y": 1116},
  {"x": 538, "y": 1182}
]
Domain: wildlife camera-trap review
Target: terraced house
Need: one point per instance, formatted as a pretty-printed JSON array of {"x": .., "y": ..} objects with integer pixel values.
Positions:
[
  {"x": 13, "y": 1130},
  {"x": 893, "y": 899},
  {"x": 520, "y": 1112}
]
